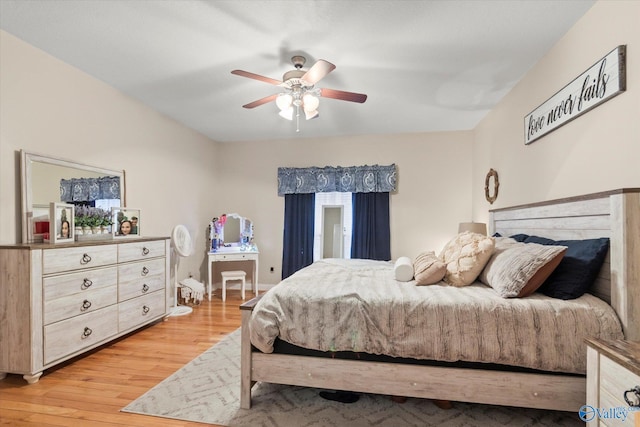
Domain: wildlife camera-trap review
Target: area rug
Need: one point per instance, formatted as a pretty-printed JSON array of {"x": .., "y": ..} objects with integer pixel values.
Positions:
[{"x": 207, "y": 390}]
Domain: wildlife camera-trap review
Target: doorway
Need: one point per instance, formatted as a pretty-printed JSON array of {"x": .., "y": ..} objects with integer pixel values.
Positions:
[
  {"x": 332, "y": 230},
  {"x": 333, "y": 221}
]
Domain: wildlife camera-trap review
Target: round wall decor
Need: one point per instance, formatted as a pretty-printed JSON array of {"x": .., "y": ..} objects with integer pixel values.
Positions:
[{"x": 491, "y": 196}]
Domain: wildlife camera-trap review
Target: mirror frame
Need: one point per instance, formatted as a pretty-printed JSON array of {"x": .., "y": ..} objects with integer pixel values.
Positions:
[
  {"x": 487, "y": 183},
  {"x": 242, "y": 225},
  {"x": 26, "y": 160}
]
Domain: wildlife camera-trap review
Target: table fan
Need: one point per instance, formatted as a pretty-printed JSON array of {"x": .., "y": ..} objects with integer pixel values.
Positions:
[{"x": 184, "y": 247}]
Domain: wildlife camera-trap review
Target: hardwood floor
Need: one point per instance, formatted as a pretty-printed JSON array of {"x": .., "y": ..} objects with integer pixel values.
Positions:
[{"x": 90, "y": 390}]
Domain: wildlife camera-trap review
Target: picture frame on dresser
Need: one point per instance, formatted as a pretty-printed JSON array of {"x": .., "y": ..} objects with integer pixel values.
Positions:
[
  {"x": 126, "y": 222},
  {"x": 39, "y": 221},
  {"x": 61, "y": 223}
]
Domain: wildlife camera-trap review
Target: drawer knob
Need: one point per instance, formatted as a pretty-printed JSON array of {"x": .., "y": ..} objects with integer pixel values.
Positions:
[
  {"x": 633, "y": 401},
  {"x": 87, "y": 332},
  {"x": 86, "y": 259},
  {"x": 145, "y": 310},
  {"x": 145, "y": 271},
  {"x": 145, "y": 288},
  {"x": 86, "y": 305},
  {"x": 145, "y": 251},
  {"x": 86, "y": 283}
]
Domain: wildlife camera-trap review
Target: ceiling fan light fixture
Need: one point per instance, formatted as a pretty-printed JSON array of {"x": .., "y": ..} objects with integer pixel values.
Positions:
[
  {"x": 299, "y": 90},
  {"x": 284, "y": 101},
  {"x": 311, "y": 114},
  {"x": 310, "y": 102},
  {"x": 287, "y": 113}
]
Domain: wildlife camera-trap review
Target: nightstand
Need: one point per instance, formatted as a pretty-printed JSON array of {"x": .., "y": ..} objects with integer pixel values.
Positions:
[{"x": 613, "y": 378}]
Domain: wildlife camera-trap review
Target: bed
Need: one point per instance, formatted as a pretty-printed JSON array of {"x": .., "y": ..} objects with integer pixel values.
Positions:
[{"x": 614, "y": 214}]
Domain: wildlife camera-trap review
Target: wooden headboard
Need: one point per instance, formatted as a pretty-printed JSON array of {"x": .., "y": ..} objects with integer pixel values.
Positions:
[{"x": 613, "y": 214}]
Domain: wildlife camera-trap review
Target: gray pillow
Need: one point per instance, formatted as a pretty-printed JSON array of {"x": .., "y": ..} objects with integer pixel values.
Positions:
[{"x": 517, "y": 269}]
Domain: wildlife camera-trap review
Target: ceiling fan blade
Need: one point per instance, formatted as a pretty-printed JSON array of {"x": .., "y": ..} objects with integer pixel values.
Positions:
[
  {"x": 256, "y": 77},
  {"x": 344, "y": 96},
  {"x": 320, "y": 69},
  {"x": 261, "y": 101}
]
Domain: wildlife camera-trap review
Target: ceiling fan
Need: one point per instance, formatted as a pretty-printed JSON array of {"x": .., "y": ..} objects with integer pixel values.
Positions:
[{"x": 299, "y": 89}]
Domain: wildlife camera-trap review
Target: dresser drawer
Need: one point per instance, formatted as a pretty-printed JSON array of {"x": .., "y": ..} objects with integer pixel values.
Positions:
[
  {"x": 234, "y": 256},
  {"x": 72, "y": 335},
  {"x": 614, "y": 381},
  {"x": 140, "y": 250},
  {"x": 80, "y": 303},
  {"x": 140, "y": 278},
  {"x": 75, "y": 258},
  {"x": 141, "y": 310},
  {"x": 80, "y": 282}
]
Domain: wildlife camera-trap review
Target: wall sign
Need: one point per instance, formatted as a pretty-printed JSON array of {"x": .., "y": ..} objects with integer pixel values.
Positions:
[{"x": 604, "y": 80}]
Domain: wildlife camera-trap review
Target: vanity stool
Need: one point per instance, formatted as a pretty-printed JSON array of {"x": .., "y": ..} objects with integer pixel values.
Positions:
[{"x": 232, "y": 275}]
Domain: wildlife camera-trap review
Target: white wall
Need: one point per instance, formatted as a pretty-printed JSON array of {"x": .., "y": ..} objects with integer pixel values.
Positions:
[
  {"x": 51, "y": 108},
  {"x": 598, "y": 151}
]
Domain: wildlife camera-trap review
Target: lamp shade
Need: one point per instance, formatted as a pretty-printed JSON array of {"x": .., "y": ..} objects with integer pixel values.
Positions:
[
  {"x": 474, "y": 227},
  {"x": 311, "y": 114},
  {"x": 283, "y": 101},
  {"x": 287, "y": 113},
  {"x": 310, "y": 102}
]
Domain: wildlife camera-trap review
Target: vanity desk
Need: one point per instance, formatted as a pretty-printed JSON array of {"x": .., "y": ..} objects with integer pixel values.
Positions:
[
  {"x": 61, "y": 300},
  {"x": 234, "y": 253},
  {"x": 236, "y": 232}
]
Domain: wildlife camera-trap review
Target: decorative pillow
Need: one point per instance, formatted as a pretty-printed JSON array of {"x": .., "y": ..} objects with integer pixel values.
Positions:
[
  {"x": 428, "y": 268},
  {"x": 465, "y": 256},
  {"x": 403, "y": 269},
  {"x": 518, "y": 269},
  {"x": 578, "y": 269}
]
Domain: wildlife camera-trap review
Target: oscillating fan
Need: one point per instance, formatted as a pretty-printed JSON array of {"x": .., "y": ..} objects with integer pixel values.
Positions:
[{"x": 184, "y": 247}]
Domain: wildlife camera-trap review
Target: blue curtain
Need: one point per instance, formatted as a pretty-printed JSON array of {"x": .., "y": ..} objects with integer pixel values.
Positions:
[
  {"x": 298, "y": 232},
  {"x": 371, "y": 233}
]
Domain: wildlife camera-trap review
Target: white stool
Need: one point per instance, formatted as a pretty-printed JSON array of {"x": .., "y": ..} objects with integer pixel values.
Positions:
[{"x": 232, "y": 275}]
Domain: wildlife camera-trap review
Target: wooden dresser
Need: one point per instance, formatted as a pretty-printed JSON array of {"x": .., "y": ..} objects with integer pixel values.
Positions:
[
  {"x": 613, "y": 371},
  {"x": 59, "y": 301}
]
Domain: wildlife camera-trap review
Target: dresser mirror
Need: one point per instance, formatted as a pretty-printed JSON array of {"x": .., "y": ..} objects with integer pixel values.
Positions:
[
  {"x": 237, "y": 230},
  {"x": 41, "y": 182}
]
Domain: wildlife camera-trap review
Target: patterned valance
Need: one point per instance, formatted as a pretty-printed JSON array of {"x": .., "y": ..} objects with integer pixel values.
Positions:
[
  {"x": 351, "y": 179},
  {"x": 89, "y": 189}
]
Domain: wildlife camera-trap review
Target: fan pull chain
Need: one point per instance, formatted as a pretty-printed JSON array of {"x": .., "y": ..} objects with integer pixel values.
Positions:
[{"x": 297, "y": 118}]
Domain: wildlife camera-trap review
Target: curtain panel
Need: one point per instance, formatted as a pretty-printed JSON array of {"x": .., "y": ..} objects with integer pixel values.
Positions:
[
  {"x": 298, "y": 232},
  {"x": 350, "y": 179},
  {"x": 371, "y": 235},
  {"x": 89, "y": 189}
]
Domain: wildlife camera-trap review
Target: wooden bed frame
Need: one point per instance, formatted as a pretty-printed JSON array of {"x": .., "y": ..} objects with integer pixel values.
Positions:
[{"x": 614, "y": 214}]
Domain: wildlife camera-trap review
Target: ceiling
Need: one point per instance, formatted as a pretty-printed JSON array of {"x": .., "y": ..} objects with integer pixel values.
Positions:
[{"x": 429, "y": 65}]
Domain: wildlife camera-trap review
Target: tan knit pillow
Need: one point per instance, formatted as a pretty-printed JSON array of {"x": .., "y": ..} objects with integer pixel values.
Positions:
[
  {"x": 465, "y": 256},
  {"x": 428, "y": 269}
]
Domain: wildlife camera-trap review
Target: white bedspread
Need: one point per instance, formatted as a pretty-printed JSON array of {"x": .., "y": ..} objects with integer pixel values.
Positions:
[{"x": 357, "y": 305}]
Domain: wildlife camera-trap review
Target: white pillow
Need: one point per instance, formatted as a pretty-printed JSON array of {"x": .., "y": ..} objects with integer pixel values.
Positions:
[
  {"x": 403, "y": 269},
  {"x": 465, "y": 256},
  {"x": 518, "y": 269}
]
